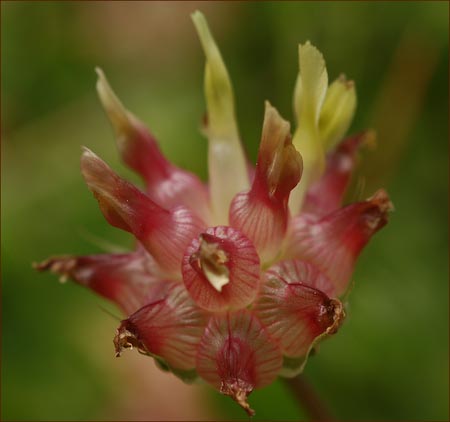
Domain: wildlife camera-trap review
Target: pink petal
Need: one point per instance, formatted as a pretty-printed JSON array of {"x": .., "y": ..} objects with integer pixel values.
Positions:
[
  {"x": 262, "y": 213},
  {"x": 221, "y": 269},
  {"x": 293, "y": 312},
  {"x": 296, "y": 271},
  {"x": 167, "y": 184},
  {"x": 327, "y": 193},
  {"x": 164, "y": 233},
  {"x": 129, "y": 280},
  {"x": 236, "y": 355},
  {"x": 169, "y": 328},
  {"x": 333, "y": 243}
]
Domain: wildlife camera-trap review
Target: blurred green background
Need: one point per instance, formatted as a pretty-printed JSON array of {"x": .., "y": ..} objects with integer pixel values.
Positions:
[{"x": 389, "y": 360}]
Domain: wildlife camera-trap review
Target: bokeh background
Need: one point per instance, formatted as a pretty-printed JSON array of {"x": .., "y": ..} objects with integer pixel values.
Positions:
[{"x": 390, "y": 359}]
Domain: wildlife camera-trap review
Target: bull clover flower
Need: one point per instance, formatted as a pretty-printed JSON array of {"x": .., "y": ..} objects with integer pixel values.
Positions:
[{"x": 234, "y": 282}]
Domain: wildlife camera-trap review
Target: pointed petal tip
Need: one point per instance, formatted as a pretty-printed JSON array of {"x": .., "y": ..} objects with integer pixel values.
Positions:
[
  {"x": 197, "y": 16},
  {"x": 93, "y": 168},
  {"x": 271, "y": 114},
  {"x": 99, "y": 71},
  {"x": 121, "y": 119},
  {"x": 239, "y": 392},
  {"x": 336, "y": 310},
  {"x": 204, "y": 33},
  {"x": 311, "y": 50},
  {"x": 347, "y": 83},
  {"x": 87, "y": 153},
  {"x": 381, "y": 199},
  {"x": 125, "y": 339},
  {"x": 62, "y": 266}
]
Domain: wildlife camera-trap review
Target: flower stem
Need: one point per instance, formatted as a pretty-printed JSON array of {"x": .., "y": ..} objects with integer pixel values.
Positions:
[{"x": 308, "y": 399}]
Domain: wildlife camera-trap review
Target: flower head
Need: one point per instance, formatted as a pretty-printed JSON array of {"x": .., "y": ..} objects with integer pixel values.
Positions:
[{"x": 236, "y": 281}]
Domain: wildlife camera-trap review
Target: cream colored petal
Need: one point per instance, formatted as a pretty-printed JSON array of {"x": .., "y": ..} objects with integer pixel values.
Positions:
[
  {"x": 311, "y": 85},
  {"x": 309, "y": 94},
  {"x": 337, "y": 112},
  {"x": 226, "y": 158}
]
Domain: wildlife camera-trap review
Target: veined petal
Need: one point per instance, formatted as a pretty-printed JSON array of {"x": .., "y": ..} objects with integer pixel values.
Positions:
[
  {"x": 309, "y": 94},
  {"x": 295, "y": 271},
  {"x": 164, "y": 233},
  {"x": 167, "y": 184},
  {"x": 169, "y": 328},
  {"x": 262, "y": 213},
  {"x": 293, "y": 312},
  {"x": 129, "y": 280},
  {"x": 327, "y": 193},
  {"x": 226, "y": 159},
  {"x": 221, "y": 269},
  {"x": 236, "y": 355},
  {"x": 333, "y": 243},
  {"x": 337, "y": 111}
]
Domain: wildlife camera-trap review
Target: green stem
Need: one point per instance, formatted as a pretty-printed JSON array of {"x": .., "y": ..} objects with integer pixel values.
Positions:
[{"x": 308, "y": 399}]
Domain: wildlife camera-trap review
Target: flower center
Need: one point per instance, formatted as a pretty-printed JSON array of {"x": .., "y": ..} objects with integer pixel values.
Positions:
[
  {"x": 212, "y": 260},
  {"x": 221, "y": 269}
]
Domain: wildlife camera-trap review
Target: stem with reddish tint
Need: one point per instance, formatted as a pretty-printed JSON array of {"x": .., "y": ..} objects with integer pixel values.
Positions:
[{"x": 308, "y": 398}]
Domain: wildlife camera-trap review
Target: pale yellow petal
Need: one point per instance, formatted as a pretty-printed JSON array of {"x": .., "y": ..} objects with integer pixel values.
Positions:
[
  {"x": 337, "y": 111},
  {"x": 226, "y": 158},
  {"x": 309, "y": 94}
]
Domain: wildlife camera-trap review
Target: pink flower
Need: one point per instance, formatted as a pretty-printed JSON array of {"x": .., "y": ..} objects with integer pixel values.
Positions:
[{"x": 236, "y": 281}]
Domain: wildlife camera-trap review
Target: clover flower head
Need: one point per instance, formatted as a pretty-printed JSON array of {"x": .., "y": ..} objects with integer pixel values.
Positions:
[{"x": 234, "y": 281}]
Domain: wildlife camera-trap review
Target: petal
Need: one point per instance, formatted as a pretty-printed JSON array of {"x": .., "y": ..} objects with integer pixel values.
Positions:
[
  {"x": 327, "y": 193},
  {"x": 296, "y": 271},
  {"x": 309, "y": 95},
  {"x": 262, "y": 213},
  {"x": 226, "y": 158},
  {"x": 337, "y": 111},
  {"x": 293, "y": 312},
  {"x": 129, "y": 280},
  {"x": 333, "y": 243},
  {"x": 164, "y": 233},
  {"x": 221, "y": 269},
  {"x": 169, "y": 328},
  {"x": 167, "y": 184},
  {"x": 311, "y": 85},
  {"x": 236, "y": 355}
]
